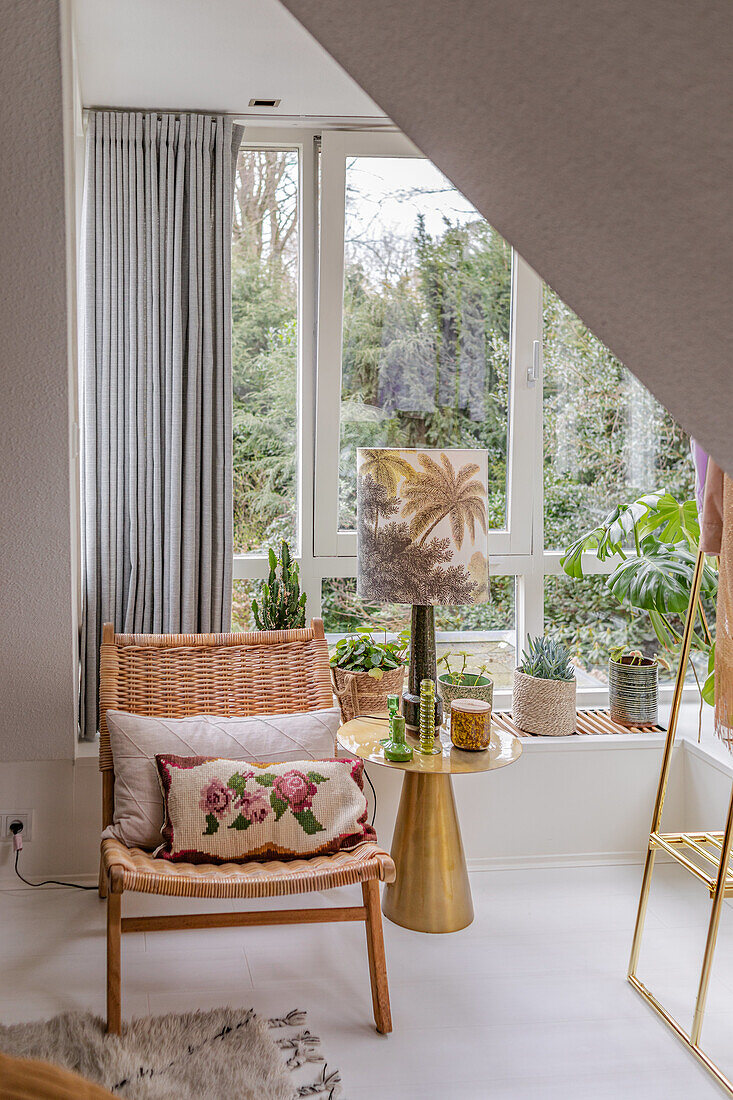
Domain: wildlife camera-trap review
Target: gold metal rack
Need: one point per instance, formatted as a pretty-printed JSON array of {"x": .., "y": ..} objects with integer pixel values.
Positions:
[{"x": 714, "y": 870}]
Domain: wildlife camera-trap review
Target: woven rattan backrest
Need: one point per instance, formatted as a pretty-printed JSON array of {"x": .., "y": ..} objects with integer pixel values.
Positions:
[{"x": 175, "y": 675}]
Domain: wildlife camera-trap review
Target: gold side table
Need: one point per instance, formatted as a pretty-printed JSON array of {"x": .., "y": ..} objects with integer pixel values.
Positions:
[{"x": 432, "y": 891}]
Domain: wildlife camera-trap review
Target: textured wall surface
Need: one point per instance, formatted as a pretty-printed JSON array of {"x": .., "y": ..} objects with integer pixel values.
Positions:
[
  {"x": 36, "y": 621},
  {"x": 596, "y": 136}
]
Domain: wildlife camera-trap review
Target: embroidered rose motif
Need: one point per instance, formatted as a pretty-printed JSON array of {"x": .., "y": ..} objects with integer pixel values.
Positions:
[
  {"x": 296, "y": 789},
  {"x": 216, "y": 798},
  {"x": 253, "y": 805}
]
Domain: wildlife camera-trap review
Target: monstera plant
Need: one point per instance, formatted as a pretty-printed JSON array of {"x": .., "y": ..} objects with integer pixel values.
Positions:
[{"x": 655, "y": 540}]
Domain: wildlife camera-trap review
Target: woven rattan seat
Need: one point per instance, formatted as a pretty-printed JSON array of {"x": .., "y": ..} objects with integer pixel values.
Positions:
[
  {"x": 267, "y": 672},
  {"x": 274, "y": 878}
]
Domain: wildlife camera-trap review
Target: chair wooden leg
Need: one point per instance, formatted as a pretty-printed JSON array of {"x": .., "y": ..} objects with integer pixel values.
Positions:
[
  {"x": 377, "y": 961},
  {"x": 114, "y": 976},
  {"x": 102, "y": 880}
]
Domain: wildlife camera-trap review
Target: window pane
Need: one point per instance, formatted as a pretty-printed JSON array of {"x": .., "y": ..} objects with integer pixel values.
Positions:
[
  {"x": 606, "y": 439},
  {"x": 243, "y": 593},
  {"x": 590, "y": 621},
  {"x": 265, "y": 348},
  {"x": 427, "y": 288},
  {"x": 487, "y": 631}
]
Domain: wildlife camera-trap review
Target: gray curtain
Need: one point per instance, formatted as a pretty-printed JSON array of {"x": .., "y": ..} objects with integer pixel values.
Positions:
[{"x": 156, "y": 378}]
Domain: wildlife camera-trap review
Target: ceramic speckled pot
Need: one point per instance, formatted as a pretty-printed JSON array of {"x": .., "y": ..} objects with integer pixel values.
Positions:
[
  {"x": 632, "y": 691},
  {"x": 482, "y": 688}
]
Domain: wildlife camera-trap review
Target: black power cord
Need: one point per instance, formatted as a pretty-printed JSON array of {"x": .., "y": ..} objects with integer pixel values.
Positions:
[
  {"x": 15, "y": 829},
  {"x": 378, "y": 718}
]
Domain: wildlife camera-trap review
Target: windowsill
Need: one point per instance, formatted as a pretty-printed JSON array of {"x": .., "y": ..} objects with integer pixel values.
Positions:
[{"x": 87, "y": 753}]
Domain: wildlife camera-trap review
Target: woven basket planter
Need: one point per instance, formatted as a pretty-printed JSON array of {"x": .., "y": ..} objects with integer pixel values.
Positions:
[
  {"x": 632, "y": 692},
  {"x": 484, "y": 690},
  {"x": 544, "y": 707},
  {"x": 360, "y": 693}
]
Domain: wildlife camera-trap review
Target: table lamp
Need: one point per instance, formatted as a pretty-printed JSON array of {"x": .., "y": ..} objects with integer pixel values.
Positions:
[{"x": 422, "y": 540}]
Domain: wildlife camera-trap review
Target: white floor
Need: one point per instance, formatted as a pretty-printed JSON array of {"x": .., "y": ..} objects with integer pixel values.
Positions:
[{"x": 529, "y": 1003}]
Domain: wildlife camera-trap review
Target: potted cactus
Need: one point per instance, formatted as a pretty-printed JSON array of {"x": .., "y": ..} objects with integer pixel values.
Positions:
[
  {"x": 456, "y": 683},
  {"x": 365, "y": 672},
  {"x": 282, "y": 604},
  {"x": 543, "y": 695}
]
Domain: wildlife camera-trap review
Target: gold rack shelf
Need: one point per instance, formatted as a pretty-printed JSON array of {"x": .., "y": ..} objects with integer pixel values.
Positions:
[
  {"x": 674, "y": 843},
  {"x": 711, "y": 866}
]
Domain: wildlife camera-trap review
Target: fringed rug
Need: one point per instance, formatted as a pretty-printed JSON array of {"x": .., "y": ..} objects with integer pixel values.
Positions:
[{"x": 224, "y": 1053}]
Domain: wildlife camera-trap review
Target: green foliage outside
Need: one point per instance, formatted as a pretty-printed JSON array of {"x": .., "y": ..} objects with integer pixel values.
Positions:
[{"x": 426, "y": 362}]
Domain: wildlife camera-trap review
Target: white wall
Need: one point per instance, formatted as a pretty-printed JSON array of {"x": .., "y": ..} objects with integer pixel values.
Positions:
[
  {"x": 37, "y": 614},
  {"x": 585, "y": 800}
]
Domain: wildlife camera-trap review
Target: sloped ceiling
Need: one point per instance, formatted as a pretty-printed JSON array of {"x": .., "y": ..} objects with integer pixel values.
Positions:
[{"x": 597, "y": 137}]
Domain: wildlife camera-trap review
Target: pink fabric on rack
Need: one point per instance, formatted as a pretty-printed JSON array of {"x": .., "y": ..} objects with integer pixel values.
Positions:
[{"x": 711, "y": 521}]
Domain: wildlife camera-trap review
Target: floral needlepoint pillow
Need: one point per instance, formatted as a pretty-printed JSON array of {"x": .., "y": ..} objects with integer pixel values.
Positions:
[{"x": 221, "y": 811}]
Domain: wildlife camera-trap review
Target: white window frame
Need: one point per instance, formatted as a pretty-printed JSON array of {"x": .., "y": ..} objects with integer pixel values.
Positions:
[
  {"x": 330, "y": 541},
  {"x": 324, "y": 552}
]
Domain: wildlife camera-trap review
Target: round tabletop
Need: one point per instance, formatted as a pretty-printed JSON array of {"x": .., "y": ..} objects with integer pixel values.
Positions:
[{"x": 362, "y": 737}]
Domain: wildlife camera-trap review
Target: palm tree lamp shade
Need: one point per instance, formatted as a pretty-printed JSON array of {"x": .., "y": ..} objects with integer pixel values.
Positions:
[{"x": 422, "y": 540}]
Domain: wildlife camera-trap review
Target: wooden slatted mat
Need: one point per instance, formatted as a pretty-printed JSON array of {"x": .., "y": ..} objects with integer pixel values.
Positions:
[{"x": 589, "y": 721}]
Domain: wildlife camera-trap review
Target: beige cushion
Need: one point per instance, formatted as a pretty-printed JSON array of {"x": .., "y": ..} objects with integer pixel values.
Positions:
[
  {"x": 135, "y": 739},
  {"x": 221, "y": 811}
]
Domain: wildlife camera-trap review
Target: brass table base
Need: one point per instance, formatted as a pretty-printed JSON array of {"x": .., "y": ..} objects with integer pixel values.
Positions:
[{"x": 432, "y": 891}]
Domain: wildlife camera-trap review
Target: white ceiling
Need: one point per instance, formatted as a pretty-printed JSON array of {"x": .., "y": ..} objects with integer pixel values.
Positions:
[{"x": 208, "y": 55}]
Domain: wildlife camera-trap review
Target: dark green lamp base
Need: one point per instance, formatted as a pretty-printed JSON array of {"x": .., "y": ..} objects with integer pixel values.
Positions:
[{"x": 423, "y": 666}]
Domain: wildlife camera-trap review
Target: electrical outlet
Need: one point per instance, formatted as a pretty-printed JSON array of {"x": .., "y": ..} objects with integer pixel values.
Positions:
[{"x": 6, "y": 820}]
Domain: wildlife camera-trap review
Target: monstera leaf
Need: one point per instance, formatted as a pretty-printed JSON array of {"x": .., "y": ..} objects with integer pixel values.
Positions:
[
  {"x": 609, "y": 537},
  {"x": 622, "y": 521},
  {"x": 708, "y": 688},
  {"x": 672, "y": 522},
  {"x": 660, "y": 578}
]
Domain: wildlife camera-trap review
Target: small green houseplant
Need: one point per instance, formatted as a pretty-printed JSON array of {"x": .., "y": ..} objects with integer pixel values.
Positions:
[
  {"x": 543, "y": 692},
  {"x": 282, "y": 604},
  {"x": 365, "y": 672},
  {"x": 655, "y": 540},
  {"x": 456, "y": 683},
  {"x": 632, "y": 687}
]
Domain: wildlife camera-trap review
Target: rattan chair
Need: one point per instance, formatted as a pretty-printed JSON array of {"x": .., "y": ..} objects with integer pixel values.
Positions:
[{"x": 266, "y": 672}]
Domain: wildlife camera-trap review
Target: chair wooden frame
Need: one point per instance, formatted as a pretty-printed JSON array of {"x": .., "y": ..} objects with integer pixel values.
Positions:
[{"x": 260, "y": 672}]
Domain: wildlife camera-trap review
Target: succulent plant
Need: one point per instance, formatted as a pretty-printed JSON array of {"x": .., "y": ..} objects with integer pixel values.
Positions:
[
  {"x": 282, "y": 605},
  {"x": 546, "y": 659}
]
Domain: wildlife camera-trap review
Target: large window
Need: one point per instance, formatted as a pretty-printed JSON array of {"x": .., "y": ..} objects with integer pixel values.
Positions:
[
  {"x": 373, "y": 305},
  {"x": 426, "y": 313},
  {"x": 265, "y": 277}
]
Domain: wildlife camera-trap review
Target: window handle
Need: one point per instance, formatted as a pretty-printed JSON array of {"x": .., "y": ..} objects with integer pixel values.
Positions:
[{"x": 533, "y": 372}]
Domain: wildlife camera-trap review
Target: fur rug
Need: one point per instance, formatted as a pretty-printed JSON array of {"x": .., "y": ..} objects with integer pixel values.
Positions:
[{"x": 224, "y": 1053}]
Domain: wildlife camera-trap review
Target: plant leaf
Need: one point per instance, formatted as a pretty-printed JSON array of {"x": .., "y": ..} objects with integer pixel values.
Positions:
[
  {"x": 673, "y": 522},
  {"x": 708, "y": 689},
  {"x": 240, "y": 822},
  {"x": 237, "y": 783},
  {"x": 308, "y": 823},
  {"x": 278, "y": 805},
  {"x": 265, "y": 780},
  {"x": 212, "y": 825},
  {"x": 659, "y": 580},
  {"x": 316, "y": 777}
]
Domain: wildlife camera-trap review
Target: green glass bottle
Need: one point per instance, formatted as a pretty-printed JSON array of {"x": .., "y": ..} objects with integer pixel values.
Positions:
[
  {"x": 393, "y": 709},
  {"x": 427, "y": 719},
  {"x": 397, "y": 748}
]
